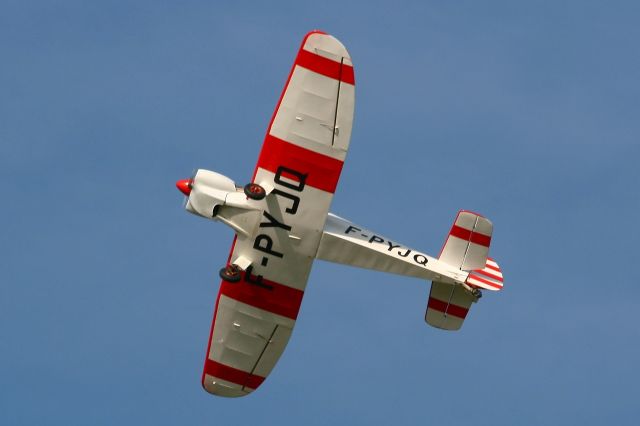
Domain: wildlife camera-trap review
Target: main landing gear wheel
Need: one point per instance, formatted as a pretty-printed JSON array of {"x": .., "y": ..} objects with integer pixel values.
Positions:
[
  {"x": 231, "y": 273},
  {"x": 254, "y": 191}
]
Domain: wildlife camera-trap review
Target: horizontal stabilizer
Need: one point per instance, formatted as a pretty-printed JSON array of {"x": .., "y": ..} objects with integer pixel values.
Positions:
[
  {"x": 467, "y": 245},
  {"x": 448, "y": 306}
]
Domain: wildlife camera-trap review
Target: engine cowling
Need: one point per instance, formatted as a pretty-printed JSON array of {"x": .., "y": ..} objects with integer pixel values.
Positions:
[
  {"x": 208, "y": 191},
  {"x": 216, "y": 197}
]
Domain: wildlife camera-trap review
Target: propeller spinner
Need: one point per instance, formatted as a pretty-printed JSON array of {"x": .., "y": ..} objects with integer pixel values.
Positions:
[{"x": 185, "y": 186}]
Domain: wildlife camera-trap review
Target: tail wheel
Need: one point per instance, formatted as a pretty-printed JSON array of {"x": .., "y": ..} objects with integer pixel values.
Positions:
[
  {"x": 477, "y": 293},
  {"x": 231, "y": 273},
  {"x": 254, "y": 191}
]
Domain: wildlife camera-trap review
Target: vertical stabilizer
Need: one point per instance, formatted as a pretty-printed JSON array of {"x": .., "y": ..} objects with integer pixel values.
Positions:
[{"x": 467, "y": 245}]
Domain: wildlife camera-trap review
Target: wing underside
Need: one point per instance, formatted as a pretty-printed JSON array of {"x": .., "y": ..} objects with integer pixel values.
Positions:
[{"x": 301, "y": 160}]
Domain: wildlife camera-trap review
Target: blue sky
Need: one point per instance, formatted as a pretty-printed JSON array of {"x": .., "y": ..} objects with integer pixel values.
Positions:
[{"x": 527, "y": 113}]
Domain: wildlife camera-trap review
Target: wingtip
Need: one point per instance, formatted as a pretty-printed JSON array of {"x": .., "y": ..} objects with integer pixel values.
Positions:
[
  {"x": 316, "y": 31},
  {"x": 218, "y": 387}
]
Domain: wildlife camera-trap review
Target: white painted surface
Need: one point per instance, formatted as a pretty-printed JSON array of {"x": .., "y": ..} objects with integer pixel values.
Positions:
[{"x": 349, "y": 244}]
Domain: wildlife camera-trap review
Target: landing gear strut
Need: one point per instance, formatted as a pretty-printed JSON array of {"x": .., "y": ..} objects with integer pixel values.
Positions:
[
  {"x": 231, "y": 273},
  {"x": 254, "y": 191}
]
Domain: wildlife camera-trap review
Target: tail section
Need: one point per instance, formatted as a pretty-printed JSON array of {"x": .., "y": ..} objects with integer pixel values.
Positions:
[
  {"x": 467, "y": 245},
  {"x": 489, "y": 277},
  {"x": 466, "y": 248},
  {"x": 448, "y": 306}
]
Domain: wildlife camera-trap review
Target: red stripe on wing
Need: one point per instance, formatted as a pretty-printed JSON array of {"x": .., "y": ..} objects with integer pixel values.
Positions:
[
  {"x": 325, "y": 66},
  {"x": 474, "y": 237},
  {"x": 322, "y": 172},
  {"x": 289, "y": 308},
  {"x": 268, "y": 295},
  {"x": 215, "y": 314},
  {"x": 231, "y": 374},
  {"x": 449, "y": 309}
]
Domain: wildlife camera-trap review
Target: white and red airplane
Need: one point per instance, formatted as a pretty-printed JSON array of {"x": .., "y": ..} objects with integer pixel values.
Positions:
[{"x": 282, "y": 224}]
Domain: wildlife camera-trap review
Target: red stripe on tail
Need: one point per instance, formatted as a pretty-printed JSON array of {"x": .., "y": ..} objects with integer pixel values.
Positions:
[
  {"x": 488, "y": 274},
  {"x": 449, "y": 309},
  {"x": 474, "y": 237},
  {"x": 484, "y": 281},
  {"x": 493, "y": 268}
]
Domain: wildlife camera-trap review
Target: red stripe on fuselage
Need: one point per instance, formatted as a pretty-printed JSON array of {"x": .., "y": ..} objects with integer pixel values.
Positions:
[
  {"x": 325, "y": 66},
  {"x": 322, "y": 172},
  {"x": 474, "y": 237},
  {"x": 267, "y": 295},
  {"x": 231, "y": 374},
  {"x": 450, "y": 309}
]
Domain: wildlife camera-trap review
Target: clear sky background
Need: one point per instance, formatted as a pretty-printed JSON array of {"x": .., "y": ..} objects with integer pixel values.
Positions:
[{"x": 527, "y": 112}]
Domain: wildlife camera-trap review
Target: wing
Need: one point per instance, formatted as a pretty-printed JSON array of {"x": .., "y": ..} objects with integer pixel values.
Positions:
[{"x": 300, "y": 164}]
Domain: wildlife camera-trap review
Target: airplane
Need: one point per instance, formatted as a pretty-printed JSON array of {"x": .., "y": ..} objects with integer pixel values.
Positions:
[{"x": 282, "y": 224}]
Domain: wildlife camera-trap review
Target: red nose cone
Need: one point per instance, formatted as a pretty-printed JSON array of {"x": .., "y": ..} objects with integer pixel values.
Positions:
[{"x": 184, "y": 186}]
